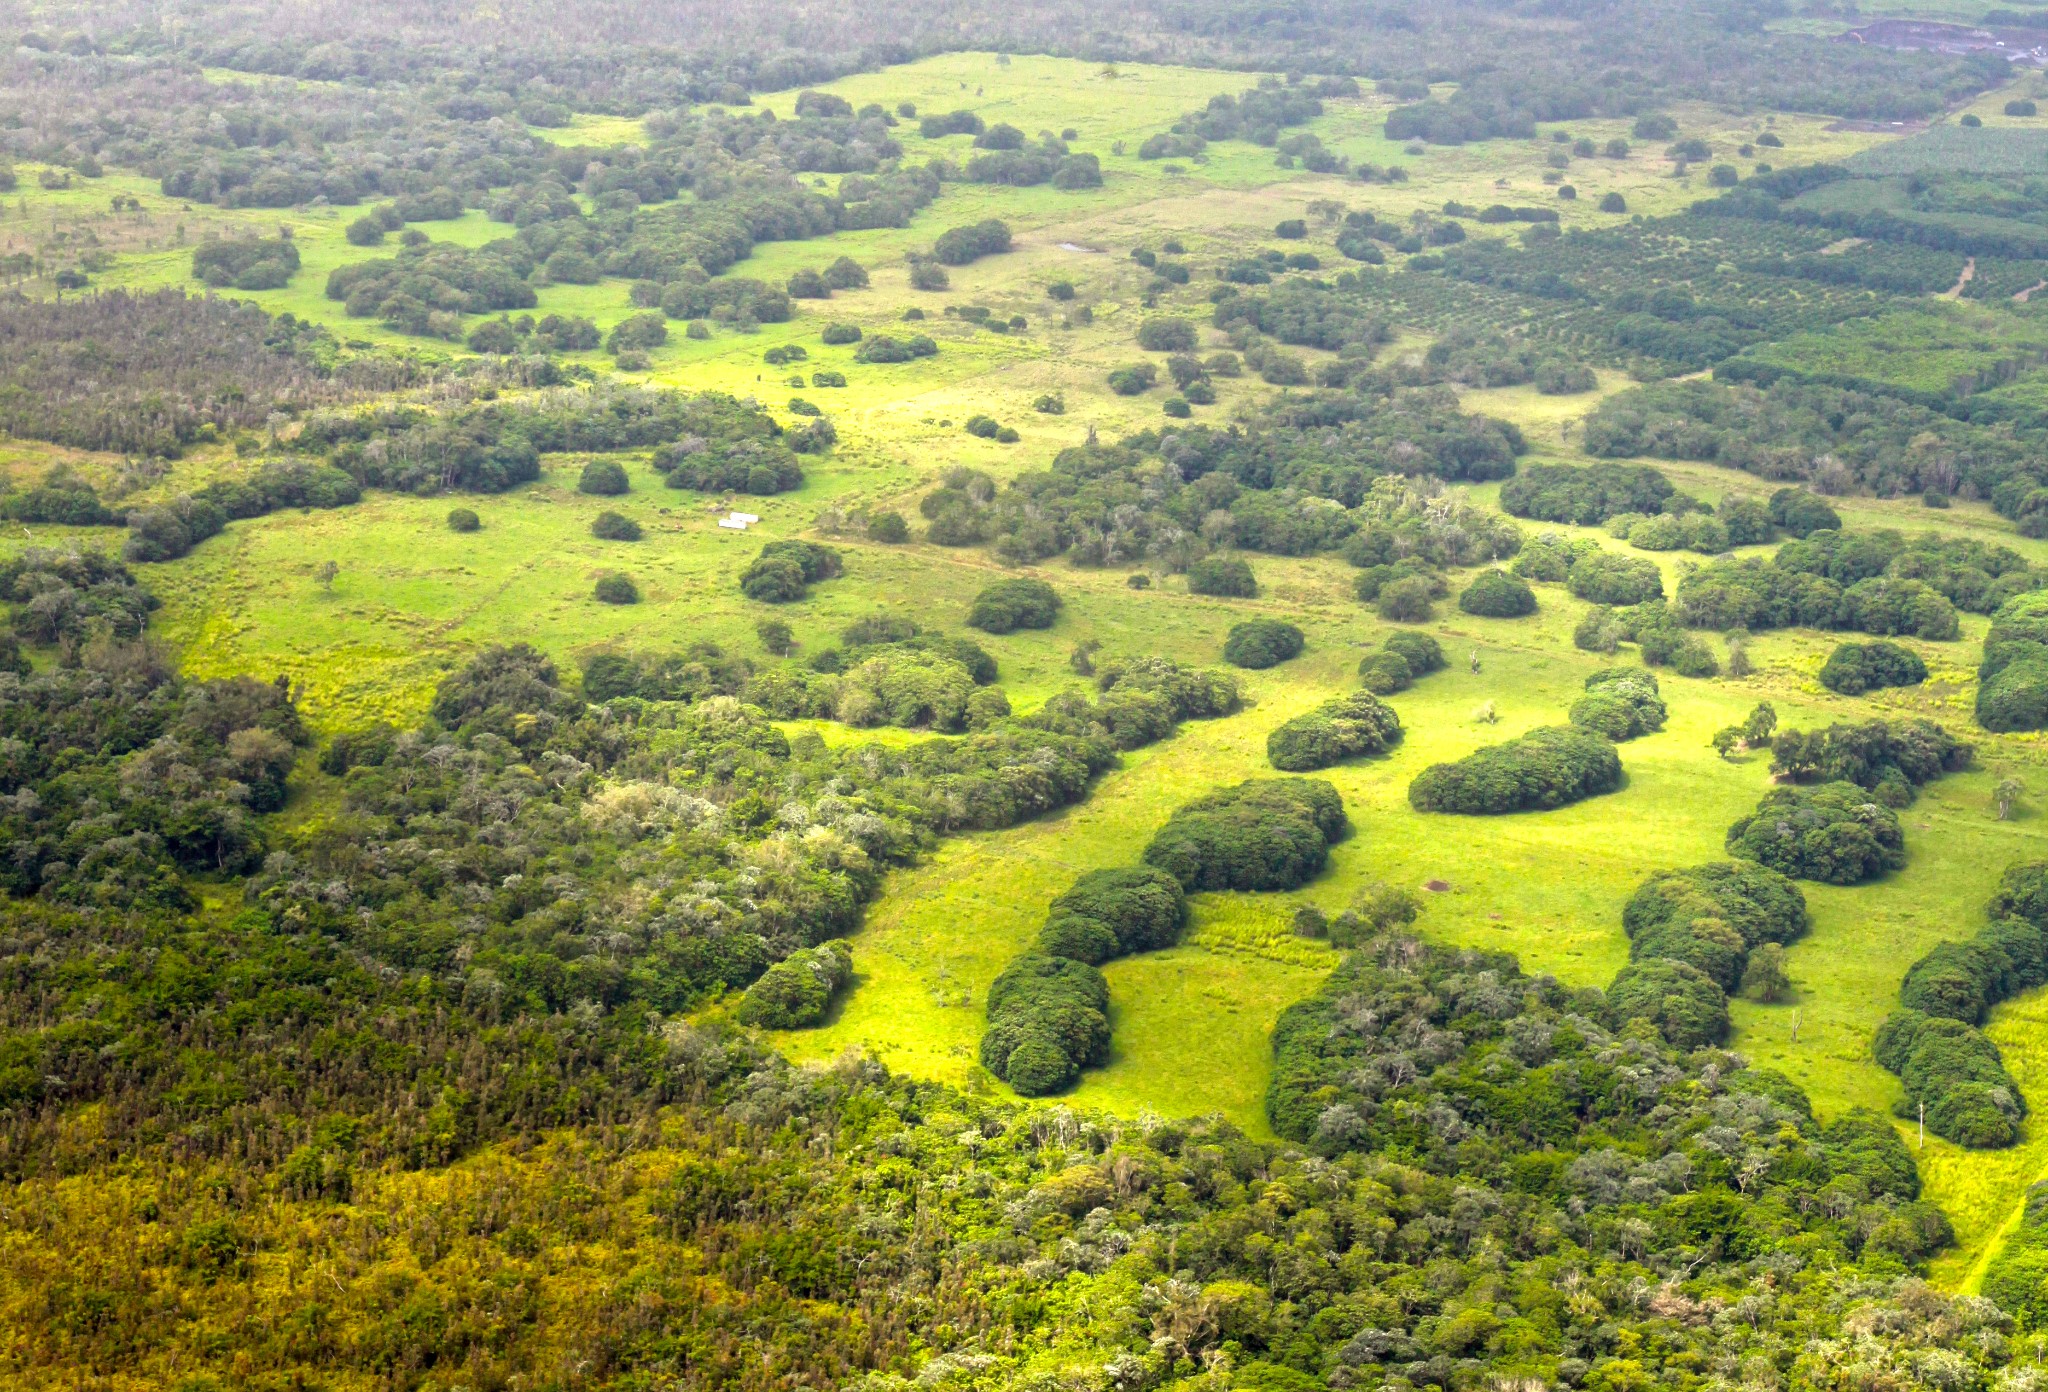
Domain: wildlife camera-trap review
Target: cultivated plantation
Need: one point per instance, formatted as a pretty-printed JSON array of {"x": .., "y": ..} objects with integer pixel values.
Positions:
[{"x": 1234, "y": 706}]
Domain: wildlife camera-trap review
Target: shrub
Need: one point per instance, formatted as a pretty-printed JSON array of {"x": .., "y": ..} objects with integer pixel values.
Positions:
[
  {"x": 1854, "y": 668},
  {"x": 1222, "y": 575},
  {"x": 1384, "y": 673},
  {"x": 464, "y": 520},
  {"x": 796, "y": 992},
  {"x": 1408, "y": 600},
  {"x": 845, "y": 274},
  {"x": 1127, "y": 911},
  {"x": 1167, "y": 336},
  {"x": 1602, "y": 577},
  {"x": 1422, "y": 652},
  {"x": 1613, "y": 203},
  {"x": 1711, "y": 916},
  {"x": 785, "y": 569},
  {"x": 1687, "y": 1008},
  {"x": 1264, "y": 834},
  {"x": 983, "y": 427},
  {"x": 888, "y": 527},
  {"x": 604, "y": 478},
  {"x": 1835, "y": 833},
  {"x": 614, "y": 526},
  {"x": 961, "y": 245},
  {"x": 1133, "y": 379},
  {"x": 1549, "y": 767},
  {"x": 1009, "y": 605},
  {"x": 881, "y": 348},
  {"x": 1261, "y": 643},
  {"x": 1890, "y": 758},
  {"x": 1620, "y": 703},
  {"x": 1495, "y": 594},
  {"x": 1345, "y": 728},
  {"x": 1956, "y": 1073},
  {"x": 929, "y": 275},
  {"x": 1047, "y": 1020},
  {"x": 1801, "y": 514},
  {"x": 617, "y": 589},
  {"x": 1586, "y": 495},
  {"x": 840, "y": 334},
  {"x": 637, "y": 333}
]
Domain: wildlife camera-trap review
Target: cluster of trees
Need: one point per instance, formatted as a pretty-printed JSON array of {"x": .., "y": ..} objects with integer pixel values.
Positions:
[
  {"x": 1008, "y": 605},
  {"x": 1757, "y": 595},
  {"x": 1836, "y": 833},
  {"x": 1258, "y": 114},
  {"x": 1260, "y": 643},
  {"x": 1550, "y": 766},
  {"x": 1447, "y": 1056},
  {"x": 64, "y": 598},
  {"x": 1789, "y": 431},
  {"x": 697, "y": 439},
  {"x": 1294, "y": 482},
  {"x": 62, "y": 497},
  {"x": 1968, "y": 573},
  {"x": 1345, "y": 727},
  {"x": 1585, "y": 495},
  {"x": 1854, "y": 668},
  {"x": 170, "y": 530},
  {"x": 1891, "y": 758},
  {"x": 958, "y": 246},
  {"x": 2012, "y": 690},
  {"x": 150, "y": 374},
  {"x": 796, "y": 992},
  {"x": 1403, "y": 656},
  {"x": 246, "y": 263},
  {"x": 1496, "y": 594},
  {"x": 1953, "y": 1074},
  {"x": 427, "y": 289},
  {"x": 120, "y": 777},
  {"x": 697, "y": 673},
  {"x": 784, "y": 571},
  {"x": 1621, "y": 703},
  {"x": 1048, "y": 1012},
  {"x": 1721, "y": 926},
  {"x": 915, "y": 681},
  {"x": 1262, "y": 834}
]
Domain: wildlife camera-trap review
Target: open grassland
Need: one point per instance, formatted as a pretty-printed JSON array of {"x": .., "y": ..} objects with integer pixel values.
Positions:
[{"x": 409, "y": 599}]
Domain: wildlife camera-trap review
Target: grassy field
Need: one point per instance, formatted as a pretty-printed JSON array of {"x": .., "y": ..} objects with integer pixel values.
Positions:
[{"x": 410, "y": 599}]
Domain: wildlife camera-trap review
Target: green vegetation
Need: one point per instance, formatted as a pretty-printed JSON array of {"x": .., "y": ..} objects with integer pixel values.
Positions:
[
  {"x": 1344, "y": 728},
  {"x": 1261, "y": 643},
  {"x": 395, "y": 925},
  {"x": 1854, "y": 668},
  {"x": 1265, "y": 834},
  {"x": 1549, "y": 767},
  {"x": 1009, "y": 605}
]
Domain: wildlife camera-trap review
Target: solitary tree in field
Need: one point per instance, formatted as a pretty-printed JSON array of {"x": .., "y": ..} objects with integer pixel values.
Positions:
[
  {"x": 325, "y": 575},
  {"x": 1761, "y": 724},
  {"x": 2008, "y": 794},
  {"x": 1765, "y": 978}
]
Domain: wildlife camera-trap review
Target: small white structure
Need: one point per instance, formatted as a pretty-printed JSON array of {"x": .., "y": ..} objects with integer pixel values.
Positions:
[
  {"x": 743, "y": 517},
  {"x": 732, "y": 524}
]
